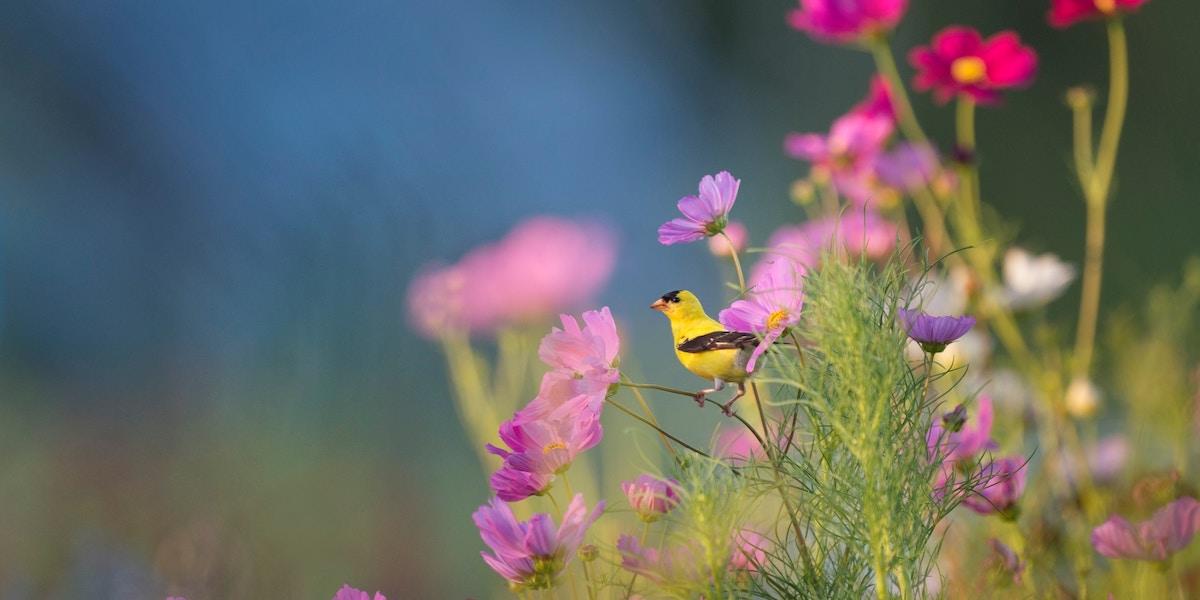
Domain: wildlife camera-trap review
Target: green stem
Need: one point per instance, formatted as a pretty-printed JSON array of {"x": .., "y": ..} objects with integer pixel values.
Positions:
[
  {"x": 661, "y": 388},
  {"x": 654, "y": 426},
  {"x": 637, "y": 394},
  {"x": 885, "y": 63},
  {"x": 737, "y": 264}
]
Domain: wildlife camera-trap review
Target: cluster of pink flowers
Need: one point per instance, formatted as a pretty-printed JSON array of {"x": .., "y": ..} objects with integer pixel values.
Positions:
[
  {"x": 684, "y": 563},
  {"x": 543, "y": 266},
  {"x": 959, "y": 445},
  {"x": 1170, "y": 530}
]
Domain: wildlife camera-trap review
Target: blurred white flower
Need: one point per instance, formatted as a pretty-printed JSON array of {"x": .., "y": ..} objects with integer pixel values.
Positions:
[
  {"x": 1031, "y": 281},
  {"x": 1083, "y": 398},
  {"x": 942, "y": 296}
]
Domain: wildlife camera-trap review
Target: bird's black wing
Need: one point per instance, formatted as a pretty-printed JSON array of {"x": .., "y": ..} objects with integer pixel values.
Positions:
[{"x": 718, "y": 340}]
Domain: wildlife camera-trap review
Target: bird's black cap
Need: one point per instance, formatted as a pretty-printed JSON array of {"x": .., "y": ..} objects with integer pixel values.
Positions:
[{"x": 671, "y": 296}]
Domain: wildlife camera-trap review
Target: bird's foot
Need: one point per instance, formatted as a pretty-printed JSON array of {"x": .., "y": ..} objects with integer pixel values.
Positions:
[
  {"x": 699, "y": 397},
  {"x": 727, "y": 408}
]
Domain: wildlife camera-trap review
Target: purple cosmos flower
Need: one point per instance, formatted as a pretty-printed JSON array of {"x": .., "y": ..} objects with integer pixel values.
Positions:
[
  {"x": 704, "y": 215},
  {"x": 749, "y": 551},
  {"x": 1001, "y": 483},
  {"x": 651, "y": 497},
  {"x": 531, "y": 554},
  {"x": 772, "y": 306},
  {"x": 845, "y": 21},
  {"x": 933, "y": 333},
  {"x": 1167, "y": 532},
  {"x": 546, "y": 446},
  {"x": 511, "y": 485},
  {"x": 847, "y": 154},
  {"x": 973, "y": 437},
  {"x": 349, "y": 593}
]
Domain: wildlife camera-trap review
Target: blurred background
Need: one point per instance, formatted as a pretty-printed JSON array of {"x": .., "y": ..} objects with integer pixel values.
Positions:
[{"x": 211, "y": 212}]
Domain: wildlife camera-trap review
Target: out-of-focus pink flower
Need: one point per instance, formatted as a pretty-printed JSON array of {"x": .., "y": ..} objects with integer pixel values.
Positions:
[
  {"x": 704, "y": 215},
  {"x": 961, "y": 62},
  {"x": 531, "y": 554},
  {"x": 749, "y": 551},
  {"x": 544, "y": 265},
  {"x": 878, "y": 102},
  {"x": 908, "y": 166},
  {"x": 511, "y": 485},
  {"x": 738, "y": 446},
  {"x": 847, "y": 154},
  {"x": 845, "y": 21},
  {"x": 678, "y": 564},
  {"x": 349, "y": 593},
  {"x": 1167, "y": 532},
  {"x": 1105, "y": 460},
  {"x": 973, "y": 437},
  {"x": 737, "y": 234},
  {"x": 933, "y": 333},
  {"x": 547, "y": 446},
  {"x": 1007, "y": 559},
  {"x": 772, "y": 305},
  {"x": 1000, "y": 485},
  {"x": 1064, "y": 13},
  {"x": 798, "y": 248},
  {"x": 651, "y": 497}
]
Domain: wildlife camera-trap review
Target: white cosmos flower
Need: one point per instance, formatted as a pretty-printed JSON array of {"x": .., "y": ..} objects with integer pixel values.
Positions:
[{"x": 1031, "y": 281}]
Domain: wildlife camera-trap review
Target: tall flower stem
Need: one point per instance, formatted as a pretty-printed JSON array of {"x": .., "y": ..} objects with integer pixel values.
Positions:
[
  {"x": 655, "y": 427},
  {"x": 1096, "y": 183},
  {"x": 737, "y": 263},
  {"x": 885, "y": 63}
]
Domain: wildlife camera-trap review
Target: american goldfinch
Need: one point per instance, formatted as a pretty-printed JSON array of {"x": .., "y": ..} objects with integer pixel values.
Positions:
[{"x": 704, "y": 346}]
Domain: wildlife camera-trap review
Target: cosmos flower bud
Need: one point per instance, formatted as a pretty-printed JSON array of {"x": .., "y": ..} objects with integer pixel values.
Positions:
[
  {"x": 651, "y": 497},
  {"x": 1083, "y": 398},
  {"x": 1080, "y": 96},
  {"x": 588, "y": 552},
  {"x": 954, "y": 420}
]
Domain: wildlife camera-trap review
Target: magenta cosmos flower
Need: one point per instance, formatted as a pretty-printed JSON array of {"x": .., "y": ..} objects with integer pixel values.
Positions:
[
  {"x": 772, "y": 305},
  {"x": 973, "y": 436},
  {"x": 704, "y": 215},
  {"x": 1000, "y": 485},
  {"x": 651, "y": 497},
  {"x": 547, "y": 446},
  {"x": 845, "y": 21},
  {"x": 878, "y": 102},
  {"x": 531, "y": 554},
  {"x": 511, "y": 485},
  {"x": 1064, "y": 13},
  {"x": 349, "y": 593},
  {"x": 1167, "y": 532},
  {"x": 933, "y": 333},
  {"x": 583, "y": 366},
  {"x": 543, "y": 266},
  {"x": 961, "y": 62},
  {"x": 847, "y": 154}
]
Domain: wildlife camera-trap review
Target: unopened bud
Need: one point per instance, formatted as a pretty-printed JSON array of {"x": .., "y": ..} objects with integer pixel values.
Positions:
[
  {"x": 1083, "y": 398},
  {"x": 1080, "y": 97},
  {"x": 954, "y": 420},
  {"x": 588, "y": 552}
]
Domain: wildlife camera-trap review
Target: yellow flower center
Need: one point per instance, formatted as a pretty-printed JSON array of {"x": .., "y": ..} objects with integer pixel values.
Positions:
[
  {"x": 776, "y": 319},
  {"x": 970, "y": 69},
  {"x": 552, "y": 446},
  {"x": 1106, "y": 6}
]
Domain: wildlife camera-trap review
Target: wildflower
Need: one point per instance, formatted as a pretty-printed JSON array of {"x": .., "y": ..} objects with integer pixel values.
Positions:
[
  {"x": 1001, "y": 483},
  {"x": 544, "y": 265},
  {"x": 349, "y": 593},
  {"x": 547, "y": 446},
  {"x": 719, "y": 246},
  {"x": 680, "y": 564},
  {"x": 1031, "y": 281},
  {"x": 1083, "y": 397},
  {"x": 1064, "y": 13},
  {"x": 772, "y": 306},
  {"x": 908, "y": 166},
  {"x": 878, "y": 102},
  {"x": 531, "y": 554},
  {"x": 738, "y": 446},
  {"x": 749, "y": 551},
  {"x": 583, "y": 362},
  {"x": 846, "y": 155},
  {"x": 846, "y": 21},
  {"x": 933, "y": 333},
  {"x": 1167, "y": 532},
  {"x": 704, "y": 215},
  {"x": 651, "y": 497},
  {"x": 959, "y": 62},
  {"x": 1104, "y": 460},
  {"x": 798, "y": 247},
  {"x": 1006, "y": 560},
  {"x": 511, "y": 485},
  {"x": 972, "y": 437}
]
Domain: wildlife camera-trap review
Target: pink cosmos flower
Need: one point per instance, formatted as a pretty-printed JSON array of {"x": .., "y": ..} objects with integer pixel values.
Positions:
[
  {"x": 973, "y": 437},
  {"x": 933, "y": 333},
  {"x": 704, "y": 215},
  {"x": 544, "y": 265},
  {"x": 1001, "y": 483},
  {"x": 749, "y": 551},
  {"x": 961, "y": 62},
  {"x": 532, "y": 554},
  {"x": 847, "y": 154},
  {"x": 1167, "y": 532},
  {"x": 845, "y": 21},
  {"x": 583, "y": 362},
  {"x": 511, "y": 485},
  {"x": 651, "y": 497},
  {"x": 738, "y": 446},
  {"x": 349, "y": 593},
  {"x": 860, "y": 232},
  {"x": 1064, "y": 13},
  {"x": 878, "y": 102},
  {"x": 773, "y": 305},
  {"x": 678, "y": 564},
  {"x": 908, "y": 166},
  {"x": 547, "y": 446},
  {"x": 737, "y": 234}
]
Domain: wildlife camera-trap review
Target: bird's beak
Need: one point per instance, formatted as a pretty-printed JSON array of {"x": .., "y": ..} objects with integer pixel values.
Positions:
[{"x": 659, "y": 304}]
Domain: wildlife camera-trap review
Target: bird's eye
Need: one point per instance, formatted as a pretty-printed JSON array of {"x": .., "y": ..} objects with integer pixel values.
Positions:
[{"x": 675, "y": 299}]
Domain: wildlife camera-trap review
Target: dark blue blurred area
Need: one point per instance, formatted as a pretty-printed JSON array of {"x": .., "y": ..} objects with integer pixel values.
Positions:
[{"x": 217, "y": 206}]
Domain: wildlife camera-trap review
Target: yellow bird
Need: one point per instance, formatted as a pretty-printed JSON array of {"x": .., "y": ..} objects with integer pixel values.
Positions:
[{"x": 705, "y": 347}]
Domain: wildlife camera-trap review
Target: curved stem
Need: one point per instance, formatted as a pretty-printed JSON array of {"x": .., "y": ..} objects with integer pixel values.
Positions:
[
  {"x": 885, "y": 63},
  {"x": 655, "y": 427},
  {"x": 737, "y": 264},
  {"x": 650, "y": 416},
  {"x": 661, "y": 388}
]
